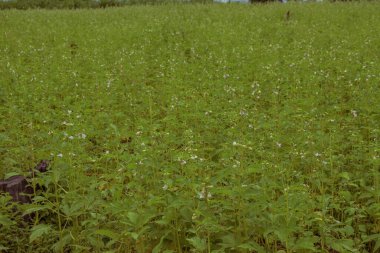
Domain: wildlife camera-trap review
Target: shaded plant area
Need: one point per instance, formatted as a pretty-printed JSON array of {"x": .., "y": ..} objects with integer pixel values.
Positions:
[{"x": 197, "y": 128}]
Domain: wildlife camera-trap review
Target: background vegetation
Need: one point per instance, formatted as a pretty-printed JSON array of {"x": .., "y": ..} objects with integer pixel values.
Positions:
[
  {"x": 198, "y": 128},
  {"x": 75, "y": 4}
]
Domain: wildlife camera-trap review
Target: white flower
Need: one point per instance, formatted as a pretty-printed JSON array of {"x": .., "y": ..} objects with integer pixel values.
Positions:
[
  {"x": 193, "y": 157},
  {"x": 201, "y": 195},
  {"x": 278, "y": 144},
  {"x": 165, "y": 187},
  {"x": 82, "y": 135},
  {"x": 67, "y": 123},
  {"x": 234, "y": 143},
  {"x": 71, "y": 137},
  {"x": 243, "y": 113},
  {"x": 69, "y": 112},
  {"x": 354, "y": 113},
  {"x": 60, "y": 155}
]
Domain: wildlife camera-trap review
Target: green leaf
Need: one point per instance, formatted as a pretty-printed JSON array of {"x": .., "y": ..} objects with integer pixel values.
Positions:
[
  {"x": 115, "y": 129},
  {"x": 342, "y": 245},
  {"x": 5, "y": 221},
  {"x": 371, "y": 238},
  {"x": 162, "y": 222},
  {"x": 134, "y": 235},
  {"x": 305, "y": 243},
  {"x": 283, "y": 233},
  {"x": 39, "y": 199},
  {"x": 64, "y": 240},
  {"x": 186, "y": 213},
  {"x": 374, "y": 237},
  {"x": 34, "y": 209},
  {"x": 133, "y": 217},
  {"x": 38, "y": 231},
  {"x": 377, "y": 246},
  {"x": 198, "y": 243},
  {"x": 107, "y": 232},
  {"x": 344, "y": 175},
  {"x": 3, "y": 247},
  {"x": 228, "y": 241},
  {"x": 254, "y": 169},
  {"x": 94, "y": 241},
  {"x": 252, "y": 246},
  {"x": 11, "y": 174},
  {"x": 158, "y": 247},
  {"x": 348, "y": 230}
]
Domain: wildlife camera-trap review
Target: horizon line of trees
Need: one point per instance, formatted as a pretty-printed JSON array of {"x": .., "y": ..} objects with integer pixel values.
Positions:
[{"x": 77, "y": 4}]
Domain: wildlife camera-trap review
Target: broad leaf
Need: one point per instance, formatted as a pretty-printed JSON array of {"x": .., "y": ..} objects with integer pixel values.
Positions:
[{"x": 38, "y": 231}]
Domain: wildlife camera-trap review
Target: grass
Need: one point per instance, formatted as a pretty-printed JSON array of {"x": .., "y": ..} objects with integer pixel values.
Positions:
[{"x": 197, "y": 128}]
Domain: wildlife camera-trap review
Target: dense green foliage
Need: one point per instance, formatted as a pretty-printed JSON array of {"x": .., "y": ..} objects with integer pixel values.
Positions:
[{"x": 193, "y": 128}]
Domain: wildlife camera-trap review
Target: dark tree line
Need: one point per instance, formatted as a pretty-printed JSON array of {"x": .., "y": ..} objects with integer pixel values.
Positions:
[
  {"x": 76, "y": 4},
  {"x": 58, "y": 4}
]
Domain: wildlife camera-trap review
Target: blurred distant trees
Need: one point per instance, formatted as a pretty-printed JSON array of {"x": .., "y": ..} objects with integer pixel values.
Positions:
[
  {"x": 75, "y": 4},
  {"x": 59, "y": 4}
]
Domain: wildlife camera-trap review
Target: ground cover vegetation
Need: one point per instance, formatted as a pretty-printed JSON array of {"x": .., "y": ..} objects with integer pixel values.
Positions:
[{"x": 197, "y": 128}]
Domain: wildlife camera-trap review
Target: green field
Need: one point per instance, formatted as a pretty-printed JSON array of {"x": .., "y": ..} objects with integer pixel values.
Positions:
[{"x": 193, "y": 128}]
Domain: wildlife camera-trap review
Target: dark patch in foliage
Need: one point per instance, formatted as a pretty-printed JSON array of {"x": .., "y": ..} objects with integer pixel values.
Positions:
[
  {"x": 73, "y": 48},
  {"x": 126, "y": 140},
  {"x": 18, "y": 186}
]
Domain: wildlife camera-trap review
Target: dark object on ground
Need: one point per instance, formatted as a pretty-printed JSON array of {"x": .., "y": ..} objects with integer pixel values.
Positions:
[
  {"x": 287, "y": 15},
  {"x": 42, "y": 167},
  {"x": 18, "y": 186}
]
